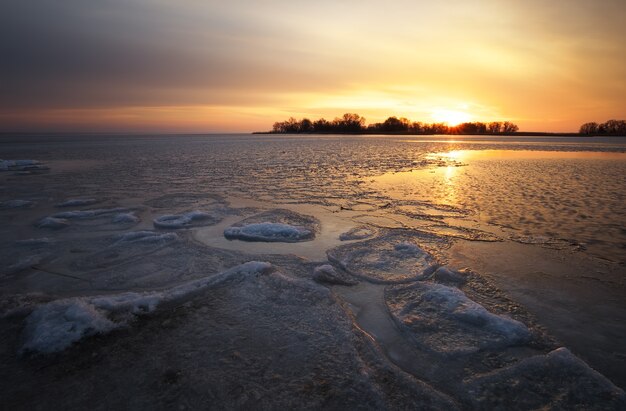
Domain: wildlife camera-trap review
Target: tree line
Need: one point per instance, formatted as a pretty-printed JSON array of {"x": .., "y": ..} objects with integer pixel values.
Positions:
[
  {"x": 611, "y": 127},
  {"x": 354, "y": 123}
]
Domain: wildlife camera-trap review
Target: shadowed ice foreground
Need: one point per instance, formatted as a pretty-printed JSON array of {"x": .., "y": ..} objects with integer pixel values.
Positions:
[{"x": 117, "y": 297}]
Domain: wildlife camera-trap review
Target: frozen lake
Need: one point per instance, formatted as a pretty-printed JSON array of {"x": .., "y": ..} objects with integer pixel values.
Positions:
[{"x": 331, "y": 270}]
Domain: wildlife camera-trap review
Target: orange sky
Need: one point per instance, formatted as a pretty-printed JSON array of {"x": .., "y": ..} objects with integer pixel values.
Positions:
[{"x": 208, "y": 66}]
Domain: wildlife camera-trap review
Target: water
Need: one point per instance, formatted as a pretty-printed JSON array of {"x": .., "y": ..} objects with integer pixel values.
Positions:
[{"x": 538, "y": 222}]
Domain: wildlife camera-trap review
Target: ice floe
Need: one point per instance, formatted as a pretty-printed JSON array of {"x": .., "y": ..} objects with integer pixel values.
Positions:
[
  {"x": 269, "y": 232},
  {"x": 16, "y": 204},
  {"x": 186, "y": 220},
  {"x": 278, "y": 225},
  {"x": 444, "y": 320},
  {"x": 58, "y": 324},
  {"x": 53, "y": 223},
  {"x": 20, "y": 165},
  {"x": 394, "y": 257},
  {"x": 110, "y": 218},
  {"x": 357, "y": 233},
  {"x": 326, "y": 273},
  {"x": 557, "y": 380},
  {"x": 144, "y": 237},
  {"x": 77, "y": 202},
  {"x": 125, "y": 218},
  {"x": 87, "y": 214}
]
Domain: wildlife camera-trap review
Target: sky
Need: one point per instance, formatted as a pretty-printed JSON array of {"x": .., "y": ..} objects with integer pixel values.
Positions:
[{"x": 239, "y": 66}]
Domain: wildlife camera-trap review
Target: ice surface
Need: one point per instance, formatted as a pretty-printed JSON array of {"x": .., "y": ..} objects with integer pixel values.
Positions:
[
  {"x": 85, "y": 214},
  {"x": 357, "y": 233},
  {"x": 187, "y": 220},
  {"x": 57, "y": 325},
  {"x": 277, "y": 225},
  {"x": 326, "y": 273},
  {"x": 270, "y": 232},
  {"x": 443, "y": 320},
  {"x": 16, "y": 204},
  {"x": 393, "y": 257},
  {"x": 6, "y": 165},
  {"x": 125, "y": 218},
  {"x": 144, "y": 237},
  {"x": 558, "y": 380},
  {"x": 53, "y": 223},
  {"x": 77, "y": 202}
]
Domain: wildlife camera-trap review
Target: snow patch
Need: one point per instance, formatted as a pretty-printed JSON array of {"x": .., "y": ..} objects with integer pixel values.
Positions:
[
  {"x": 123, "y": 218},
  {"x": 445, "y": 320},
  {"x": 77, "y": 202},
  {"x": 190, "y": 219},
  {"x": 268, "y": 232},
  {"x": 82, "y": 214},
  {"x": 58, "y": 324},
  {"x": 16, "y": 204},
  {"x": 144, "y": 237},
  {"x": 357, "y": 233},
  {"x": 53, "y": 223}
]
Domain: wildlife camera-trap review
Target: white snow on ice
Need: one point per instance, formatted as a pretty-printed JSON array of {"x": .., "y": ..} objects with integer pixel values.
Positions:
[
  {"x": 53, "y": 223},
  {"x": 6, "y": 165},
  {"x": 125, "y": 218},
  {"x": 144, "y": 237},
  {"x": 79, "y": 214},
  {"x": 77, "y": 202},
  {"x": 58, "y": 324},
  {"x": 181, "y": 220},
  {"x": 447, "y": 321},
  {"x": 268, "y": 232},
  {"x": 16, "y": 203}
]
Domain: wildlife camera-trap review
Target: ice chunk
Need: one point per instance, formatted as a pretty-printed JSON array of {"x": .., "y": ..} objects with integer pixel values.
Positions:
[
  {"x": 269, "y": 232},
  {"x": 16, "y": 204},
  {"x": 357, "y": 233},
  {"x": 53, "y": 223},
  {"x": 124, "y": 218},
  {"x": 145, "y": 237},
  {"x": 394, "y": 257},
  {"x": 277, "y": 225},
  {"x": 442, "y": 319},
  {"x": 326, "y": 273},
  {"x": 191, "y": 219},
  {"x": 82, "y": 214},
  {"x": 77, "y": 202},
  {"x": 56, "y": 325},
  {"x": 6, "y": 165},
  {"x": 558, "y": 380},
  {"x": 445, "y": 275}
]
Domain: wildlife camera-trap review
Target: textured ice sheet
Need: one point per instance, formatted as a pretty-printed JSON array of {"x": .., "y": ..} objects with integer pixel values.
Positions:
[
  {"x": 77, "y": 202},
  {"x": 444, "y": 320},
  {"x": 52, "y": 223},
  {"x": 186, "y": 220},
  {"x": 278, "y": 225},
  {"x": 252, "y": 341},
  {"x": 102, "y": 218},
  {"x": 19, "y": 165},
  {"x": 269, "y": 232},
  {"x": 57, "y": 325},
  {"x": 327, "y": 274},
  {"x": 358, "y": 233},
  {"x": 558, "y": 380},
  {"x": 392, "y": 257},
  {"x": 16, "y": 204}
]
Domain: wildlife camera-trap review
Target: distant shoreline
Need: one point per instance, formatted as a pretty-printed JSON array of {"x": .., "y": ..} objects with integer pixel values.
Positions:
[{"x": 405, "y": 133}]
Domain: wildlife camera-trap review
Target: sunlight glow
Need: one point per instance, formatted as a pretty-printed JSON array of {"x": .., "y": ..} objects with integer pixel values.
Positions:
[{"x": 451, "y": 117}]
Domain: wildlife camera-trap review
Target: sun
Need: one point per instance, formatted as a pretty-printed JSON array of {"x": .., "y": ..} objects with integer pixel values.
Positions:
[{"x": 451, "y": 117}]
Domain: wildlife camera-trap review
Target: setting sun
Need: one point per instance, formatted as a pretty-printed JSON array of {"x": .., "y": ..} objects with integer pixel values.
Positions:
[{"x": 451, "y": 117}]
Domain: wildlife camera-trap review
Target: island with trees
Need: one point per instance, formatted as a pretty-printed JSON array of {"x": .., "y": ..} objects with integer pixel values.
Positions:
[{"x": 352, "y": 123}]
